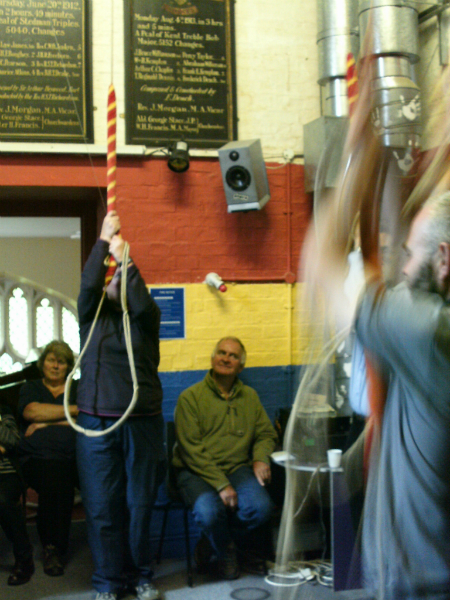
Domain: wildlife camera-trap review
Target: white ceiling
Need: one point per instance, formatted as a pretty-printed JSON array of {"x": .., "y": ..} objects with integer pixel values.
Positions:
[{"x": 40, "y": 227}]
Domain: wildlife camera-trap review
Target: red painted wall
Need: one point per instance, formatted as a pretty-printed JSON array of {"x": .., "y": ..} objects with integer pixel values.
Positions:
[{"x": 177, "y": 224}]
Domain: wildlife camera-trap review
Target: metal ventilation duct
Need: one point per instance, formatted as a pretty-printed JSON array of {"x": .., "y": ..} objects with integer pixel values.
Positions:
[
  {"x": 394, "y": 44},
  {"x": 337, "y": 25},
  {"x": 337, "y": 28},
  {"x": 394, "y": 27},
  {"x": 394, "y": 47}
]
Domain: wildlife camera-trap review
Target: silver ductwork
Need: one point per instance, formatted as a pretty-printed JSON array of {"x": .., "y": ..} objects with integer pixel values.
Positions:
[
  {"x": 337, "y": 26},
  {"x": 396, "y": 102},
  {"x": 394, "y": 27},
  {"x": 392, "y": 44}
]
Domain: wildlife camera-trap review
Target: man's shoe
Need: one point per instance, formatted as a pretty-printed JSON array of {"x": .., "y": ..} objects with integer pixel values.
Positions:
[
  {"x": 106, "y": 596},
  {"x": 147, "y": 591},
  {"x": 228, "y": 566},
  {"x": 202, "y": 554},
  {"x": 52, "y": 563},
  {"x": 21, "y": 572}
]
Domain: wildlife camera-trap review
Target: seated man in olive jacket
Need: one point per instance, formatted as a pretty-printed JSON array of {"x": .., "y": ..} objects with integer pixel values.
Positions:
[{"x": 222, "y": 456}]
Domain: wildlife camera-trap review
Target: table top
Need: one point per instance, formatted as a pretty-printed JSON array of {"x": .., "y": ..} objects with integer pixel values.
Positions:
[{"x": 285, "y": 459}]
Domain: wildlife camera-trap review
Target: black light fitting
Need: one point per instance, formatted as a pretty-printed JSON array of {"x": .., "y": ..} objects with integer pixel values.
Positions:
[{"x": 178, "y": 157}]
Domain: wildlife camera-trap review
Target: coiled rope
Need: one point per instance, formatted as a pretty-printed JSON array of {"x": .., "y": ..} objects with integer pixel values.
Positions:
[{"x": 129, "y": 346}]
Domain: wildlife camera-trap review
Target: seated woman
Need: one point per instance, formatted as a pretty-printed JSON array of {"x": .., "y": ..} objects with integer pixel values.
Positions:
[
  {"x": 47, "y": 451},
  {"x": 12, "y": 518}
]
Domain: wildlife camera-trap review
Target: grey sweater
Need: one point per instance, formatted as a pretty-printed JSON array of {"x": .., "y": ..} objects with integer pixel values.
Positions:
[{"x": 406, "y": 534}]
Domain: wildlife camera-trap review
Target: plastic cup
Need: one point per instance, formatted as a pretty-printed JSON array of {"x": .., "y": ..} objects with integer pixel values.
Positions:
[{"x": 334, "y": 458}]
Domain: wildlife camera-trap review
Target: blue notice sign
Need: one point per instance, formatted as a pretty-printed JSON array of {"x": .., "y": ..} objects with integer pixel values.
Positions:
[{"x": 171, "y": 303}]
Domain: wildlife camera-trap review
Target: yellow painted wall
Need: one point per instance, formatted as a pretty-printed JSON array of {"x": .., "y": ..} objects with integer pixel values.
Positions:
[{"x": 266, "y": 317}]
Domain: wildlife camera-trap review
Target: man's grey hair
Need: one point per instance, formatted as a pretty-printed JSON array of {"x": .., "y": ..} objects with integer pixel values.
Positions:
[
  {"x": 233, "y": 339},
  {"x": 438, "y": 224}
]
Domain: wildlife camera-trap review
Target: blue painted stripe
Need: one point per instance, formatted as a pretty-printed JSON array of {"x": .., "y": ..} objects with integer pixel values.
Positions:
[{"x": 276, "y": 386}]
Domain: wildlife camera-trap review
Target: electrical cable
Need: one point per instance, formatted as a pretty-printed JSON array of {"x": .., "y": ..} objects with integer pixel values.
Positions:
[
  {"x": 305, "y": 497},
  {"x": 268, "y": 580},
  {"x": 304, "y": 572}
]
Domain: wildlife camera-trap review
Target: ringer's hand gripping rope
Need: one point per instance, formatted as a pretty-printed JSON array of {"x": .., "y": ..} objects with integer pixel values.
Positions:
[{"x": 112, "y": 266}]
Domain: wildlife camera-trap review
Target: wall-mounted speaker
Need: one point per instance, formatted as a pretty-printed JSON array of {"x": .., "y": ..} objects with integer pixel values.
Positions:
[{"x": 244, "y": 175}]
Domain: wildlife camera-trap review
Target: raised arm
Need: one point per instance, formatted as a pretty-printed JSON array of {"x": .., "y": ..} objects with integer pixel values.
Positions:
[
  {"x": 92, "y": 282},
  {"x": 93, "y": 276}
]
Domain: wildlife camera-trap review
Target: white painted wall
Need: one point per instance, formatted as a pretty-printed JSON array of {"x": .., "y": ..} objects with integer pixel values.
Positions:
[
  {"x": 50, "y": 263},
  {"x": 276, "y": 71}
]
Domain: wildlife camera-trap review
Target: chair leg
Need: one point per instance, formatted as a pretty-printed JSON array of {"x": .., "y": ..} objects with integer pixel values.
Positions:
[
  {"x": 188, "y": 549},
  {"x": 162, "y": 534}
]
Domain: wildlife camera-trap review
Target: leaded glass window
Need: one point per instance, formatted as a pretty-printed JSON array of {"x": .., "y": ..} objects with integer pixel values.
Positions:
[
  {"x": 30, "y": 317},
  {"x": 45, "y": 318},
  {"x": 18, "y": 322},
  {"x": 70, "y": 330},
  {"x": 7, "y": 365}
]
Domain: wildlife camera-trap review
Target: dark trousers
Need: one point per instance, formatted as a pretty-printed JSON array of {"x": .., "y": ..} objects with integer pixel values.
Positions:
[
  {"x": 119, "y": 475},
  {"x": 12, "y": 518},
  {"x": 55, "y": 482},
  {"x": 218, "y": 523}
]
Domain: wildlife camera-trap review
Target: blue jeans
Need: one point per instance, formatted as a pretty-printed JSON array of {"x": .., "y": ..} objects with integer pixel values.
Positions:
[
  {"x": 119, "y": 477},
  {"x": 218, "y": 523}
]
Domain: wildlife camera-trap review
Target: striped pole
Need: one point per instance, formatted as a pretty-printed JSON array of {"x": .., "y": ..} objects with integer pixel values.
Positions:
[
  {"x": 352, "y": 83},
  {"x": 111, "y": 169}
]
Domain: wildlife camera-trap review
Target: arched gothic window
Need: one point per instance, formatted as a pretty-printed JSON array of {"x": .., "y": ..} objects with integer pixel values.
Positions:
[{"x": 30, "y": 317}]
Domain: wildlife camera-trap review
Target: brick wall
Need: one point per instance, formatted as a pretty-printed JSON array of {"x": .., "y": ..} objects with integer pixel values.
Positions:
[
  {"x": 179, "y": 227},
  {"x": 177, "y": 224}
]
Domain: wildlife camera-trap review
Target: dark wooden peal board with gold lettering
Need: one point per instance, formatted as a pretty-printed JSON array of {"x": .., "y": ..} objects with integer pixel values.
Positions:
[
  {"x": 180, "y": 72},
  {"x": 45, "y": 71}
]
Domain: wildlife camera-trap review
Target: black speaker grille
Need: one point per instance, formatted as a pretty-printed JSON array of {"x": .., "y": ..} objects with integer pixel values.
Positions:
[{"x": 238, "y": 178}]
